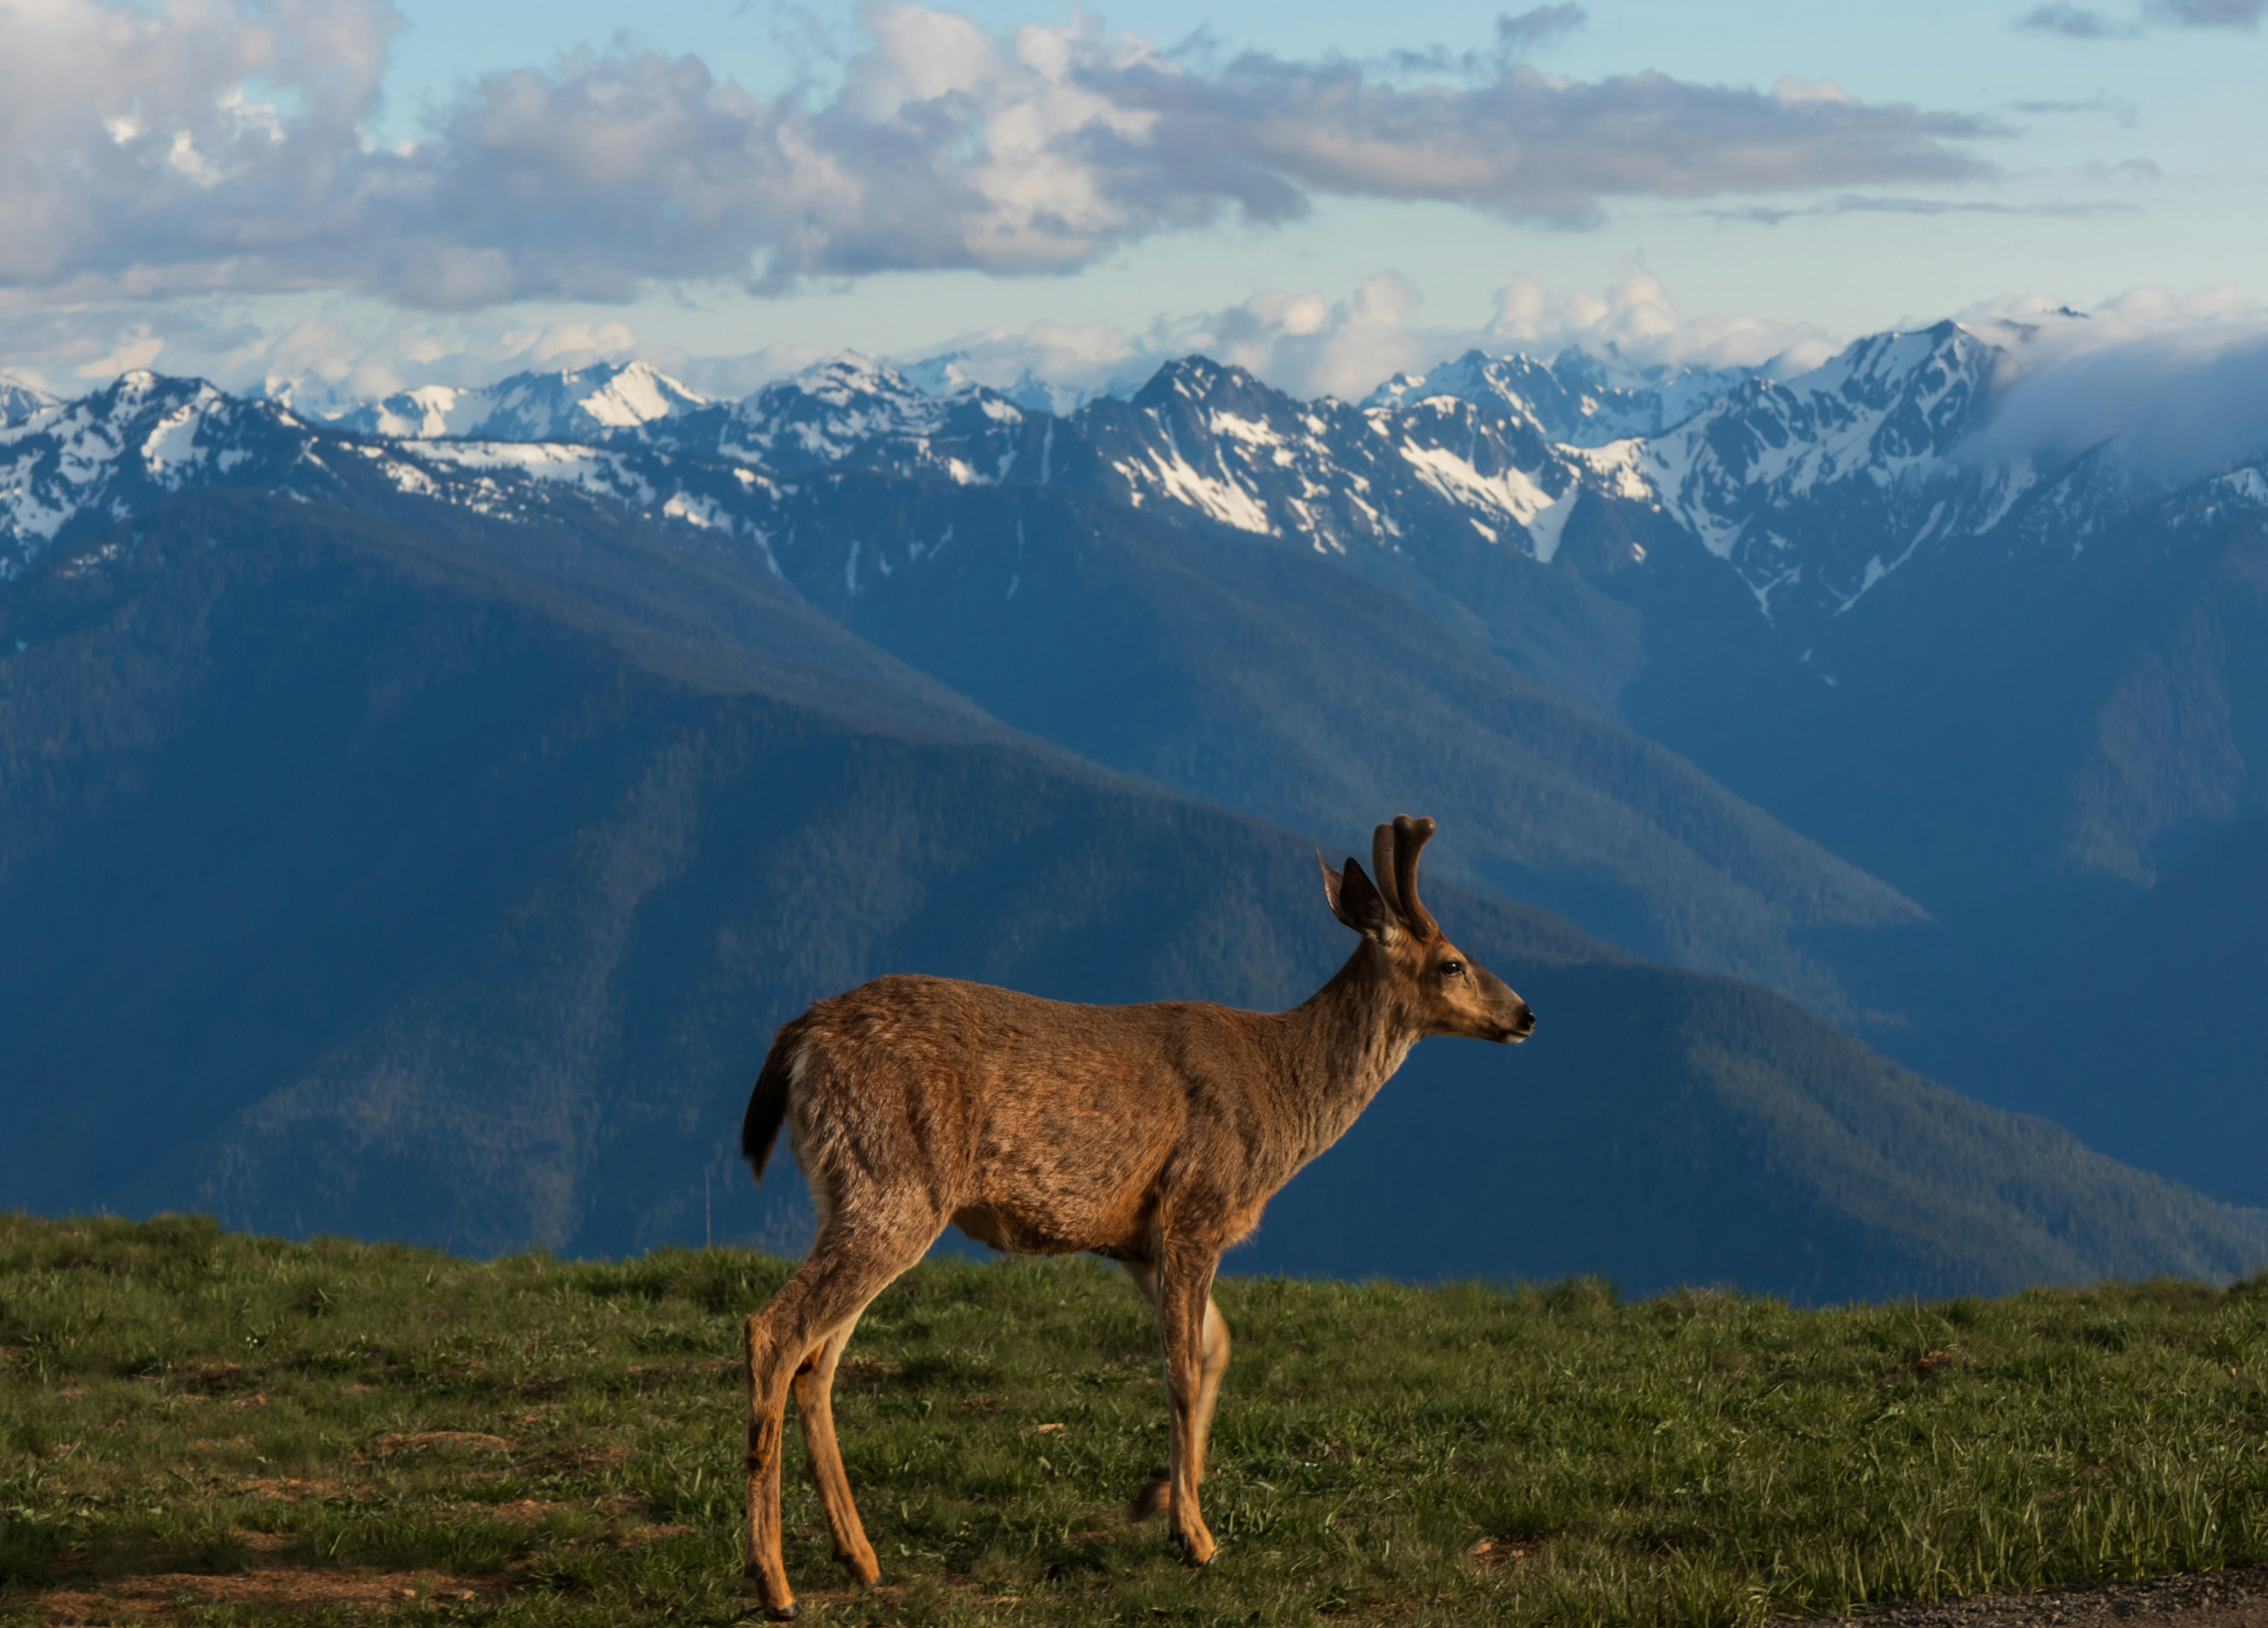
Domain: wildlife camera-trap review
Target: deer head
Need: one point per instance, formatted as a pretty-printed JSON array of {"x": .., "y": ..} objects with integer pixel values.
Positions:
[{"x": 1439, "y": 988}]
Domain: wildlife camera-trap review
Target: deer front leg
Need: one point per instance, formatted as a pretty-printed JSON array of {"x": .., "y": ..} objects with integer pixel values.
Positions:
[
  {"x": 1184, "y": 1296},
  {"x": 1153, "y": 1499}
]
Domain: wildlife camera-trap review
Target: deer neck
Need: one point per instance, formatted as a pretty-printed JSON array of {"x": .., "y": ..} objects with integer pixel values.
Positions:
[{"x": 1349, "y": 1037}]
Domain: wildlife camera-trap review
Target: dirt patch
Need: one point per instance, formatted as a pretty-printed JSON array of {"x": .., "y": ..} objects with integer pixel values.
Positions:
[
  {"x": 1920, "y": 1369},
  {"x": 653, "y": 1534},
  {"x": 460, "y": 1441},
  {"x": 165, "y": 1596},
  {"x": 213, "y": 1378},
  {"x": 292, "y": 1489},
  {"x": 706, "y": 1365},
  {"x": 2235, "y": 1599},
  {"x": 521, "y": 1511},
  {"x": 581, "y": 1461},
  {"x": 1492, "y": 1554},
  {"x": 220, "y": 1444}
]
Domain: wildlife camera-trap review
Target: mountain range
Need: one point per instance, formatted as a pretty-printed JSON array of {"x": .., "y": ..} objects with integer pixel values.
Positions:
[{"x": 410, "y": 821}]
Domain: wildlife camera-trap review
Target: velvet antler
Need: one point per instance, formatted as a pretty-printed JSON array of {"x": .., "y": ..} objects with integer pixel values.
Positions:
[{"x": 1409, "y": 839}]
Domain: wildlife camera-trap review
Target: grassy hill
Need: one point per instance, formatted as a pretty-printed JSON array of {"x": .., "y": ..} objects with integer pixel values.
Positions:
[
  {"x": 208, "y": 1428},
  {"x": 358, "y": 881}
]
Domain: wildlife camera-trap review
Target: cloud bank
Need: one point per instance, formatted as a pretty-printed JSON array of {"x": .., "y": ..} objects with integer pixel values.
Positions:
[
  {"x": 2177, "y": 387},
  {"x": 1311, "y": 345},
  {"x": 1308, "y": 343},
  {"x": 222, "y": 146}
]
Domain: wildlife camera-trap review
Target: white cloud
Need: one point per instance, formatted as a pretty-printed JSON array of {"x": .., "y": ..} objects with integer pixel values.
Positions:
[
  {"x": 1311, "y": 345},
  {"x": 141, "y": 162},
  {"x": 1793, "y": 93},
  {"x": 340, "y": 348},
  {"x": 137, "y": 159},
  {"x": 320, "y": 349},
  {"x": 1636, "y": 321},
  {"x": 136, "y": 348},
  {"x": 2176, "y": 385}
]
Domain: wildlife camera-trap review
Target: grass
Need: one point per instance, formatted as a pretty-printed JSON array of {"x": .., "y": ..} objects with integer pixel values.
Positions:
[{"x": 206, "y": 1427}]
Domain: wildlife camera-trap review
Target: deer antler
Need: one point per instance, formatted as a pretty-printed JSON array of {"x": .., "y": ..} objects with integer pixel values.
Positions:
[
  {"x": 1381, "y": 866},
  {"x": 1409, "y": 839}
]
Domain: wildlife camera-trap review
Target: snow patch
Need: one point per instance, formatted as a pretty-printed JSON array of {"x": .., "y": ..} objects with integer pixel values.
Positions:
[
  {"x": 1514, "y": 494},
  {"x": 2245, "y": 486},
  {"x": 1547, "y": 524},
  {"x": 1224, "y": 500}
]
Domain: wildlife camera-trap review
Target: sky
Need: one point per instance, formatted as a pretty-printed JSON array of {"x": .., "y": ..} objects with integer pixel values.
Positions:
[{"x": 347, "y": 197}]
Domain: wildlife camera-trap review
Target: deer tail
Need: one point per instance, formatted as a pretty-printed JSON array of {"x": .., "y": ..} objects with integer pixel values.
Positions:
[{"x": 767, "y": 1102}]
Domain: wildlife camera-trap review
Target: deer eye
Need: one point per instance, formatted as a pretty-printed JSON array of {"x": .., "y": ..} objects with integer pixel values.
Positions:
[{"x": 1453, "y": 969}]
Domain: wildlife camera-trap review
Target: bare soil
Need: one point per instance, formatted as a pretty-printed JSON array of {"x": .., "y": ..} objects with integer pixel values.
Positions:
[{"x": 163, "y": 1597}]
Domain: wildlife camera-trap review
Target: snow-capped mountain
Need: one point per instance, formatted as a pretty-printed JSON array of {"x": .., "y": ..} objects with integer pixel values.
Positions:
[
  {"x": 1817, "y": 489},
  {"x": 949, "y": 375},
  {"x": 18, "y": 400},
  {"x": 122, "y": 450},
  {"x": 852, "y": 412},
  {"x": 132, "y": 444},
  {"x": 1336, "y": 478},
  {"x": 1811, "y": 493},
  {"x": 1578, "y": 399},
  {"x": 580, "y": 404}
]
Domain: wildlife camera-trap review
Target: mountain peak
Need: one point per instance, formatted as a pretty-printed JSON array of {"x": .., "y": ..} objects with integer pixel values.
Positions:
[
  {"x": 572, "y": 404},
  {"x": 838, "y": 378},
  {"x": 1197, "y": 376},
  {"x": 1577, "y": 399},
  {"x": 19, "y": 400}
]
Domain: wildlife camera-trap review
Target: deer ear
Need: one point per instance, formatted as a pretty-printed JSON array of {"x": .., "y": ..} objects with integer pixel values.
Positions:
[{"x": 1355, "y": 902}]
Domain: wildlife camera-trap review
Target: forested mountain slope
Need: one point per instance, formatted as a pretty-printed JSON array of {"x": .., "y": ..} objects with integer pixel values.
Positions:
[{"x": 362, "y": 878}]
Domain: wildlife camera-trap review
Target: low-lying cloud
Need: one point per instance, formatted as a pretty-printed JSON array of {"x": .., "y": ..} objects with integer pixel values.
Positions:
[
  {"x": 2177, "y": 387},
  {"x": 1308, "y": 343},
  {"x": 1311, "y": 345},
  {"x": 203, "y": 145}
]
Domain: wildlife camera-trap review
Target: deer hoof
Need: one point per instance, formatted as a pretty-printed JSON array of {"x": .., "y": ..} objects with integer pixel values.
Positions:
[
  {"x": 1196, "y": 1548},
  {"x": 772, "y": 1613},
  {"x": 1153, "y": 1500}
]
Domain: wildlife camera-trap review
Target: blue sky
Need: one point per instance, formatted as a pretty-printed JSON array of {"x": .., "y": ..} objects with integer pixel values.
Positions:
[{"x": 1324, "y": 191}]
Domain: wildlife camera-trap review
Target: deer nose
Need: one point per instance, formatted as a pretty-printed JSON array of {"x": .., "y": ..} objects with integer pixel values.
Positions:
[{"x": 1523, "y": 1021}]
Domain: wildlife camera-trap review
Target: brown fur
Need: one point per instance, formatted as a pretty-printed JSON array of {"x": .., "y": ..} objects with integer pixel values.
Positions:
[{"x": 1151, "y": 1134}]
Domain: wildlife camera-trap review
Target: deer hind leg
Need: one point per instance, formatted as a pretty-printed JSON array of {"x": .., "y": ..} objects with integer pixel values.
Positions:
[
  {"x": 814, "y": 1404},
  {"x": 1154, "y": 1499},
  {"x": 844, "y": 1273},
  {"x": 1185, "y": 1300}
]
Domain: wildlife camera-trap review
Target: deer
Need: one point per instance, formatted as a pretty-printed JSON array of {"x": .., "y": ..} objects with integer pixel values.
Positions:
[{"x": 1152, "y": 1135}]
